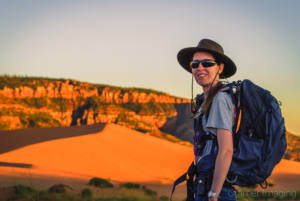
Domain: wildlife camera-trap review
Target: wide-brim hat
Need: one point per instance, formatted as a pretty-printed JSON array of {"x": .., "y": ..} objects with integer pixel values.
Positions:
[{"x": 205, "y": 45}]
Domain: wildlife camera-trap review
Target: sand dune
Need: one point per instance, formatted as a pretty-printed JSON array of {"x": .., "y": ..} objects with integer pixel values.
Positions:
[
  {"x": 287, "y": 167},
  {"x": 108, "y": 151},
  {"x": 14, "y": 139},
  {"x": 115, "y": 152},
  {"x": 286, "y": 175}
]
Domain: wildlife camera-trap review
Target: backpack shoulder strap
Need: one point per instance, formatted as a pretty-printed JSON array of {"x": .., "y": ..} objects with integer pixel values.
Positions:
[
  {"x": 229, "y": 87},
  {"x": 188, "y": 176}
]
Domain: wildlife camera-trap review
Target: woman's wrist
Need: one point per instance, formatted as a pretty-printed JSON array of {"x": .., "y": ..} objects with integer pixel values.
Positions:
[{"x": 212, "y": 194}]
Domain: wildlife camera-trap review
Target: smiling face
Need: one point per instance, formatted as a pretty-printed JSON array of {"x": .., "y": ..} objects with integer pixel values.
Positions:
[{"x": 205, "y": 76}]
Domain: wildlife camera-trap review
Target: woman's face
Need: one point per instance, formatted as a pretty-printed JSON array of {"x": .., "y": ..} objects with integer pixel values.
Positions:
[{"x": 205, "y": 76}]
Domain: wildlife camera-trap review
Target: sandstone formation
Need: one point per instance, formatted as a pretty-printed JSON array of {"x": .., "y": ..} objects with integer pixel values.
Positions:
[
  {"x": 68, "y": 90},
  {"x": 66, "y": 101}
]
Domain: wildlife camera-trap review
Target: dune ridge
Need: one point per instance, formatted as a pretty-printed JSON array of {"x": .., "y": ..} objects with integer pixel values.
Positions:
[
  {"x": 115, "y": 152},
  {"x": 108, "y": 151}
]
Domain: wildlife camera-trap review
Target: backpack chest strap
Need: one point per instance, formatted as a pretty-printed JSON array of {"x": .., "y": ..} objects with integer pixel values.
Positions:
[{"x": 202, "y": 136}]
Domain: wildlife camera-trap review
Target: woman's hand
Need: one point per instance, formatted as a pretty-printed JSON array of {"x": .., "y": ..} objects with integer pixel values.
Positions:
[{"x": 212, "y": 199}]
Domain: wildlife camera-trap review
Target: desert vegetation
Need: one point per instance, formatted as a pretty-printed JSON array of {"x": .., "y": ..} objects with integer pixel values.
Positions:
[
  {"x": 130, "y": 185},
  {"x": 61, "y": 192},
  {"x": 101, "y": 183},
  {"x": 293, "y": 147}
]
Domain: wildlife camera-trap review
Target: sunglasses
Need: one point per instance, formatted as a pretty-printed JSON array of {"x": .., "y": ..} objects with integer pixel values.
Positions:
[{"x": 205, "y": 63}]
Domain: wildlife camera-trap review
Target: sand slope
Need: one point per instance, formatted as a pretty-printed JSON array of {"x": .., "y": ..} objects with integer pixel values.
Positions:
[
  {"x": 115, "y": 152},
  {"x": 108, "y": 151},
  {"x": 287, "y": 167}
]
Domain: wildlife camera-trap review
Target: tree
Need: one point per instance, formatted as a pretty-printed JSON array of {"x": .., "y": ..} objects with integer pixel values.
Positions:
[
  {"x": 94, "y": 103},
  {"x": 63, "y": 106}
]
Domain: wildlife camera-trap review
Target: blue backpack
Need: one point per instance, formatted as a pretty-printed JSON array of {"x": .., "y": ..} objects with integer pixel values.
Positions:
[{"x": 259, "y": 138}]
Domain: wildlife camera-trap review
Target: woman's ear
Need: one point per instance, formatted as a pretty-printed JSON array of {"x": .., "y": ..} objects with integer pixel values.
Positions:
[{"x": 221, "y": 68}]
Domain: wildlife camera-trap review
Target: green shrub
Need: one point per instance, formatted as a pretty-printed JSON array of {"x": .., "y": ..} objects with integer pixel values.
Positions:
[
  {"x": 101, "y": 183},
  {"x": 118, "y": 199},
  {"x": 29, "y": 193},
  {"x": 59, "y": 188},
  {"x": 36, "y": 119},
  {"x": 135, "y": 107},
  {"x": 164, "y": 198},
  {"x": 36, "y": 102},
  {"x": 130, "y": 185},
  {"x": 86, "y": 193},
  {"x": 23, "y": 191},
  {"x": 43, "y": 195},
  {"x": 142, "y": 130},
  {"x": 150, "y": 192},
  {"x": 271, "y": 183},
  {"x": 253, "y": 187},
  {"x": 5, "y": 125},
  {"x": 68, "y": 197},
  {"x": 93, "y": 102},
  {"x": 149, "y": 107}
]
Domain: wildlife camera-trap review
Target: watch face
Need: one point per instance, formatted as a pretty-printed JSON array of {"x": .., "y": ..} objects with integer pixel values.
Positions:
[{"x": 212, "y": 194}]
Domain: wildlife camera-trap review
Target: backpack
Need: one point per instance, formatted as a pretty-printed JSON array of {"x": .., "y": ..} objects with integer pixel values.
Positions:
[
  {"x": 259, "y": 138},
  {"x": 259, "y": 135}
]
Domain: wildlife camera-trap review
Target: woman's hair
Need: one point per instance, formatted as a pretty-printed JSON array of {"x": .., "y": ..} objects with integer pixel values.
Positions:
[
  {"x": 214, "y": 89},
  {"x": 210, "y": 96}
]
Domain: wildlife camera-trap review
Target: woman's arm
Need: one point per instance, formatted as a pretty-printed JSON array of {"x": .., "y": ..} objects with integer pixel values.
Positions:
[{"x": 223, "y": 160}]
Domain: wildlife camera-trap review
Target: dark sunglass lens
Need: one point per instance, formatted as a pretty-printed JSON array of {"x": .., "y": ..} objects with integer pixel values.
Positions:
[
  {"x": 208, "y": 64},
  {"x": 195, "y": 64}
]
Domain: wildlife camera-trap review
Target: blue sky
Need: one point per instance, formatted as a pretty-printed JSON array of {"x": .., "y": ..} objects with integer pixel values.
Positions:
[{"x": 135, "y": 43}]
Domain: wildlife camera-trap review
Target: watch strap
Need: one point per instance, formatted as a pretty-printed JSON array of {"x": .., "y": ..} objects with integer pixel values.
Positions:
[{"x": 212, "y": 194}]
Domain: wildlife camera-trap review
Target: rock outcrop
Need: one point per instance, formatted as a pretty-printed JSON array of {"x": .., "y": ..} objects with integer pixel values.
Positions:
[
  {"x": 44, "y": 102},
  {"x": 68, "y": 90}
]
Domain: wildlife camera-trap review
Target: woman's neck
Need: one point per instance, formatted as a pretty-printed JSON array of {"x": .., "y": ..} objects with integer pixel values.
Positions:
[{"x": 206, "y": 88}]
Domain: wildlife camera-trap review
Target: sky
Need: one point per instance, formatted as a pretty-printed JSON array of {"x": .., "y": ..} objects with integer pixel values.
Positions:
[{"x": 135, "y": 43}]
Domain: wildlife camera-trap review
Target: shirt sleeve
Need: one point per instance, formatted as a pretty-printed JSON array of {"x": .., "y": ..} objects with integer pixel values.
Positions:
[{"x": 221, "y": 113}]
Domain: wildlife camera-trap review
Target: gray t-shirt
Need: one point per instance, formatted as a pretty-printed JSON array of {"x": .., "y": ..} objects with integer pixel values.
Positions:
[{"x": 222, "y": 115}]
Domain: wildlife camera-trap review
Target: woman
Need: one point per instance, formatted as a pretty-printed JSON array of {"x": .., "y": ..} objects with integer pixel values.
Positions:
[{"x": 208, "y": 64}]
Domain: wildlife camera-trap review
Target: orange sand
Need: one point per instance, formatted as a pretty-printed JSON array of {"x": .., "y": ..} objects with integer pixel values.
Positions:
[
  {"x": 287, "y": 167},
  {"x": 117, "y": 153}
]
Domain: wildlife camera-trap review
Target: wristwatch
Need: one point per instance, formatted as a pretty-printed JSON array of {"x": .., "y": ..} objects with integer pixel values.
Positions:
[{"x": 212, "y": 194}]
